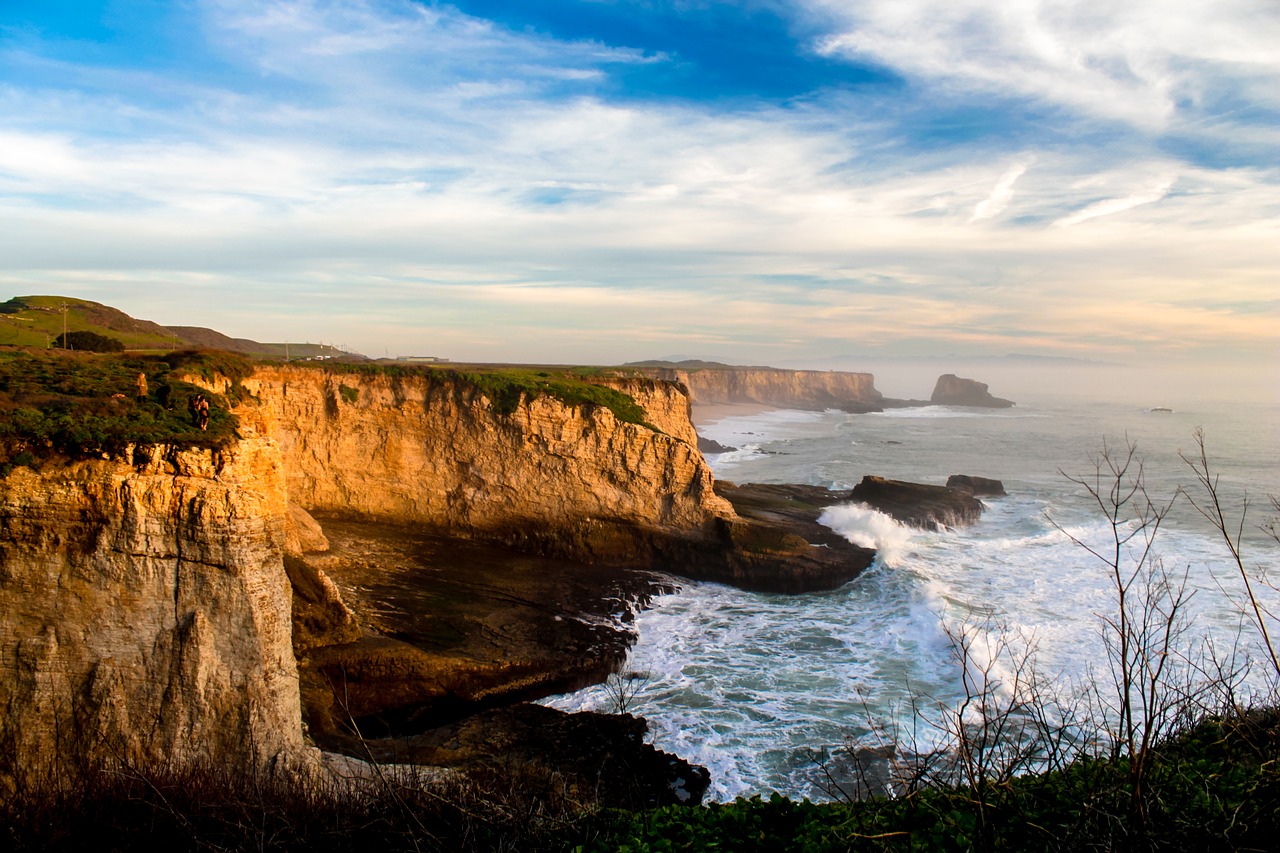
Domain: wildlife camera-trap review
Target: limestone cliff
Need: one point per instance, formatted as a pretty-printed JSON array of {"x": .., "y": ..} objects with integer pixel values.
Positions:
[
  {"x": 146, "y": 610},
  {"x": 812, "y": 389},
  {"x": 434, "y": 451}
]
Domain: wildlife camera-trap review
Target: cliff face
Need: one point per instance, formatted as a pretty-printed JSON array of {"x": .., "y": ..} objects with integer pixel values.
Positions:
[
  {"x": 146, "y": 611},
  {"x": 430, "y": 450},
  {"x": 772, "y": 387}
]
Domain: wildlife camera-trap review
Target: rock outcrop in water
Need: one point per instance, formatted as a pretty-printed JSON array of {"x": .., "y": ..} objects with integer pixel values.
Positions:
[
  {"x": 952, "y": 390},
  {"x": 976, "y": 485},
  {"x": 917, "y": 504}
]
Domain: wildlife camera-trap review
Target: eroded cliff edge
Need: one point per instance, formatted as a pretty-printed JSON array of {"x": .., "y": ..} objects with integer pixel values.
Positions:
[
  {"x": 432, "y": 451},
  {"x": 147, "y": 612}
]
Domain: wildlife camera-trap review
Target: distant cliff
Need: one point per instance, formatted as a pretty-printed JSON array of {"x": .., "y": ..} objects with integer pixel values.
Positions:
[
  {"x": 146, "y": 612},
  {"x": 802, "y": 389}
]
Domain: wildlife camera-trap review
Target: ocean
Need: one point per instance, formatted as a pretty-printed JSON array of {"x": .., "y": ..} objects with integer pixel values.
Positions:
[{"x": 764, "y": 689}]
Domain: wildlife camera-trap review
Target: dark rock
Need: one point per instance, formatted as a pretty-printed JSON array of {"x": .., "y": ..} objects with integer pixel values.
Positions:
[
  {"x": 778, "y": 545},
  {"x": 320, "y": 617},
  {"x": 708, "y": 445},
  {"x": 917, "y": 504},
  {"x": 860, "y": 407},
  {"x": 452, "y": 626},
  {"x": 952, "y": 390},
  {"x": 976, "y": 485},
  {"x": 601, "y": 758}
]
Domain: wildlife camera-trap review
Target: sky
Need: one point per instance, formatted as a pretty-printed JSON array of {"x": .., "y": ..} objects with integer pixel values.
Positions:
[{"x": 759, "y": 181}]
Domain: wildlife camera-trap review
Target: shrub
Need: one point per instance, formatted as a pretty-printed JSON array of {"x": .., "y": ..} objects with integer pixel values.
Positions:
[
  {"x": 88, "y": 342},
  {"x": 80, "y": 405}
]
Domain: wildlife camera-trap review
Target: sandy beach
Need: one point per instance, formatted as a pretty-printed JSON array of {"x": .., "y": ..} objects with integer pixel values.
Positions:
[{"x": 703, "y": 414}]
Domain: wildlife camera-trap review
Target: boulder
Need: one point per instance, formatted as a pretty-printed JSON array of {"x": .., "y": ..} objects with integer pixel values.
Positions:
[
  {"x": 710, "y": 445},
  {"x": 952, "y": 390}
]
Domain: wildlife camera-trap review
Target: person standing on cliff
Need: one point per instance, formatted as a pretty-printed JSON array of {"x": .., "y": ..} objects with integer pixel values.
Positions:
[
  {"x": 193, "y": 406},
  {"x": 202, "y": 413},
  {"x": 142, "y": 387}
]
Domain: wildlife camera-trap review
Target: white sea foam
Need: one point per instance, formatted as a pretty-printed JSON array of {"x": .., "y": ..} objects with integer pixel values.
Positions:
[{"x": 869, "y": 528}]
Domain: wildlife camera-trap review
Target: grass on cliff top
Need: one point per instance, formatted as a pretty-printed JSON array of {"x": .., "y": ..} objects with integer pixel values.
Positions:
[
  {"x": 507, "y": 385},
  {"x": 58, "y": 404}
]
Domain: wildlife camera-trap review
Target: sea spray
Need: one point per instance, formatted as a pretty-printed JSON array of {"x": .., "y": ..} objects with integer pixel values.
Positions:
[{"x": 869, "y": 528}]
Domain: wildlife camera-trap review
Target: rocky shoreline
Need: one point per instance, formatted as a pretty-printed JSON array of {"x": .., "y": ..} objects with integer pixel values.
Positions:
[{"x": 485, "y": 539}]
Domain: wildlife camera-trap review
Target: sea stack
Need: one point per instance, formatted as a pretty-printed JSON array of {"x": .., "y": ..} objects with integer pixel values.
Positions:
[{"x": 953, "y": 390}]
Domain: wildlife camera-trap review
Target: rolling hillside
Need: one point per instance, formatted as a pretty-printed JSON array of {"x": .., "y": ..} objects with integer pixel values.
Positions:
[{"x": 36, "y": 321}]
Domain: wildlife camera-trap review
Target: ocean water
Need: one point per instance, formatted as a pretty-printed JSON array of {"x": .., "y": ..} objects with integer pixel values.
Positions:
[{"x": 761, "y": 688}]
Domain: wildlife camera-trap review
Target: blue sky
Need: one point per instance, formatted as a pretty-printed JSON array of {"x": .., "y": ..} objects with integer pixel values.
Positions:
[{"x": 606, "y": 180}]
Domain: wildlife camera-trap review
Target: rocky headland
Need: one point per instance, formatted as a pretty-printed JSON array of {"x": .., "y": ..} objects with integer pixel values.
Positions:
[
  {"x": 715, "y": 384},
  {"x": 380, "y": 552},
  {"x": 719, "y": 384},
  {"x": 475, "y": 547}
]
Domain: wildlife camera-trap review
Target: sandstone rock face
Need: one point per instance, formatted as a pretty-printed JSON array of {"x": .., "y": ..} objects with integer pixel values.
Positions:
[
  {"x": 146, "y": 611},
  {"x": 433, "y": 451},
  {"x": 666, "y": 404},
  {"x": 953, "y": 390},
  {"x": 803, "y": 389}
]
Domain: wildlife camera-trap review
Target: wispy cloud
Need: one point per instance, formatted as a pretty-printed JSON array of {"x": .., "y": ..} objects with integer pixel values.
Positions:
[
  {"x": 1110, "y": 206},
  {"x": 1001, "y": 195},
  {"x": 1138, "y": 62}
]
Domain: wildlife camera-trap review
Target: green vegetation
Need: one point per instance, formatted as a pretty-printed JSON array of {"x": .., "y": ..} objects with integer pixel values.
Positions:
[
  {"x": 507, "y": 386},
  {"x": 1216, "y": 786},
  {"x": 80, "y": 405},
  {"x": 36, "y": 321},
  {"x": 87, "y": 342},
  {"x": 349, "y": 394}
]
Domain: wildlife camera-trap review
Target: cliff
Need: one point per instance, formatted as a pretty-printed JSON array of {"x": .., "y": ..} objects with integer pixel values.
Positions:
[
  {"x": 147, "y": 598},
  {"x": 799, "y": 389},
  {"x": 146, "y": 611},
  {"x": 437, "y": 452}
]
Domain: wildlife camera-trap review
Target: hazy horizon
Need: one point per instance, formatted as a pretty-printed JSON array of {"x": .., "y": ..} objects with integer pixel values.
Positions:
[{"x": 601, "y": 181}]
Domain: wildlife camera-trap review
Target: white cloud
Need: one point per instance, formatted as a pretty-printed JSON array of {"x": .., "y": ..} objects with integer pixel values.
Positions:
[
  {"x": 1137, "y": 62},
  {"x": 1001, "y": 195},
  {"x": 1111, "y": 206},
  {"x": 381, "y": 152}
]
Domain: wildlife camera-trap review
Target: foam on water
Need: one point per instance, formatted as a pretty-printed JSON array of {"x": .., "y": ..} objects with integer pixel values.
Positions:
[
  {"x": 869, "y": 528},
  {"x": 757, "y": 686}
]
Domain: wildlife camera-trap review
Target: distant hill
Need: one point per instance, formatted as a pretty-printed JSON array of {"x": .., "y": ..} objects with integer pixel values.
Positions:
[{"x": 36, "y": 321}]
